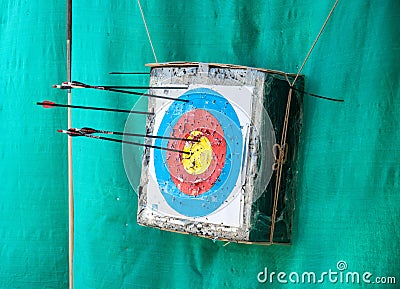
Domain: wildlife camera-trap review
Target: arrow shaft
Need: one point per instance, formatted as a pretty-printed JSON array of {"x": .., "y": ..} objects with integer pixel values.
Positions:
[
  {"x": 129, "y": 72},
  {"x": 142, "y": 135},
  {"x": 142, "y": 87},
  {"x": 94, "y": 108},
  {"x": 138, "y": 93},
  {"x": 114, "y": 89},
  {"x": 121, "y": 89},
  {"x": 133, "y": 143},
  {"x": 316, "y": 95}
]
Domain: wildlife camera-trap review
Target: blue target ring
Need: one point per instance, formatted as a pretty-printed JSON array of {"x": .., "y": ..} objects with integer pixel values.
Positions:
[{"x": 222, "y": 110}]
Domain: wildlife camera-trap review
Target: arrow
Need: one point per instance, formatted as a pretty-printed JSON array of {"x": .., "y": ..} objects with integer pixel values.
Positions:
[
  {"x": 88, "y": 130},
  {"x": 74, "y": 132},
  {"x": 129, "y": 73},
  {"x": 77, "y": 84},
  {"x": 308, "y": 93},
  {"x": 50, "y": 104},
  {"x": 143, "y": 87},
  {"x": 316, "y": 95}
]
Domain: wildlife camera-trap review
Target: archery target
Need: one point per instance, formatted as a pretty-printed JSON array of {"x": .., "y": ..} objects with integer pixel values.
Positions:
[
  {"x": 210, "y": 150},
  {"x": 198, "y": 180},
  {"x": 228, "y": 139}
]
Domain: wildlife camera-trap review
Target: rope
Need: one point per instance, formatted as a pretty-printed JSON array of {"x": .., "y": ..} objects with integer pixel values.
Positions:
[
  {"x": 279, "y": 153},
  {"x": 147, "y": 31},
  {"x": 282, "y": 148},
  {"x": 315, "y": 42},
  {"x": 279, "y": 167}
]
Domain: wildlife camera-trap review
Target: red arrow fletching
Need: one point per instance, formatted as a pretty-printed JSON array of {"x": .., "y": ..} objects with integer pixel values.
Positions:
[
  {"x": 71, "y": 132},
  {"x": 88, "y": 130},
  {"x": 48, "y": 104}
]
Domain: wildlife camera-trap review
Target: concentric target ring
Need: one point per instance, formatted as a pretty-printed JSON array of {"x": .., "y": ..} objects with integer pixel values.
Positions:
[
  {"x": 199, "y": 188},
  {"x": 193, "y": 173}
]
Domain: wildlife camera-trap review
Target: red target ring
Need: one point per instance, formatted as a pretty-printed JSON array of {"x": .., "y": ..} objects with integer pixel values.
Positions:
[{"x": 206, "y": 126}]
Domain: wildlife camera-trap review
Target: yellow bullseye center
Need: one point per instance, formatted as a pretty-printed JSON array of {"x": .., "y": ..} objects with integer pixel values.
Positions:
[{"x": 198, "y": 155}]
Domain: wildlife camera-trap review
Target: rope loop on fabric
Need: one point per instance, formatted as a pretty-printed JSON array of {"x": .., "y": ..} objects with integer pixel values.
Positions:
[{"x": 280, "y": 155}]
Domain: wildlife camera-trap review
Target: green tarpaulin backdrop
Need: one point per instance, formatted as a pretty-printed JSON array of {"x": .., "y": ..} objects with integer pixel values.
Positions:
[{"x": 347, "y": 204}]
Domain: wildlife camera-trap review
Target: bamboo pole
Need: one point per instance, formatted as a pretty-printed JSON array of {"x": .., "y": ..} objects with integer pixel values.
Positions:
[{"x": 70, "y": 174}]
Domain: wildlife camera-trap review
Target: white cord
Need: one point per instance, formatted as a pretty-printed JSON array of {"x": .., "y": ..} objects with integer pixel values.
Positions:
[{"x": 147, "y": 31}]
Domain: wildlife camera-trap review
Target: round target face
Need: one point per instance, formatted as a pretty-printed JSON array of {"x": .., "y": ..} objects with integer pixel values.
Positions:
[{"x": 197, "y": 178}]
